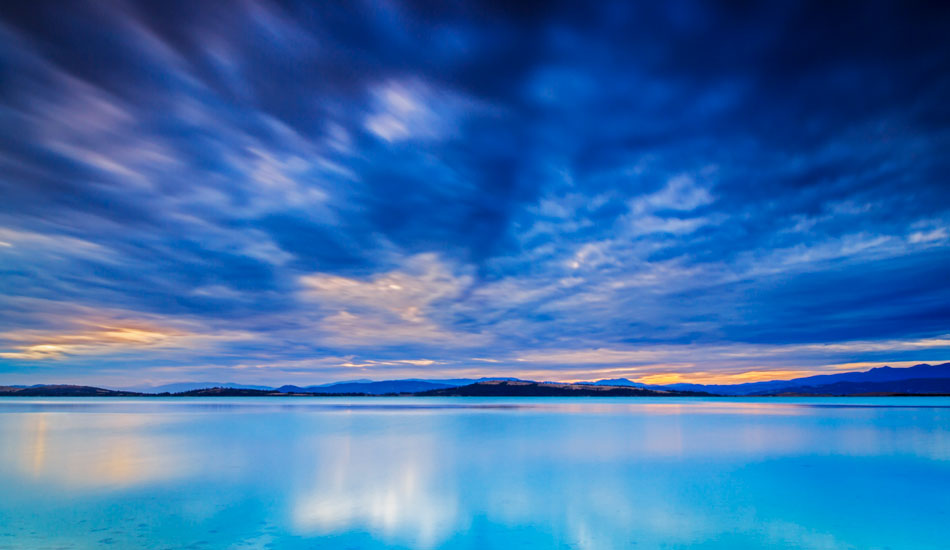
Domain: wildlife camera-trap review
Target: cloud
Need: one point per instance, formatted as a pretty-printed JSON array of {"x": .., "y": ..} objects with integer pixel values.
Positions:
[
  {"x": 29, "y": 246},
  {"x": 392, "y": 307},
  {"x": 97, "y": 340},
  {"x": 680, "y": 193},
  {"x": 930, "y": 236},
  {"x": 400, "y": 114},
  {"x": 103, "y": 337},
  {"x": 413, "y": 111}
]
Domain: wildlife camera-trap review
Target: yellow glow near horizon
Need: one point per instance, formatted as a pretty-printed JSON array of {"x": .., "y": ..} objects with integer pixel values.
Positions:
[{"x": 724, "y": 378}]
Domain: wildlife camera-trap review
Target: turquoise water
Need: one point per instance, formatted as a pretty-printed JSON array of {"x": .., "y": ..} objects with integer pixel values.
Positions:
[{"x": 475, "y": 473}]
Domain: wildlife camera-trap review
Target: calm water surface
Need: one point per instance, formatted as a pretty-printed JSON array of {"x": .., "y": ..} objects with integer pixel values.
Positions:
[{"x": 474, "y": 473}]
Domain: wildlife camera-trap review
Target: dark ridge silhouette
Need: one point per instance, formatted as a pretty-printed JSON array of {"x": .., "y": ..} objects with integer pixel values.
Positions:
[
  {"x": 775, "y": 387},
  {"x": 228, "y": 392},
  {"x": 240, "y": 392},
  {"x": 548, "y": 389},
  {"x": 64, "y": 390},
  {"x": 180, "y": 387},
  {"x": 915, "y": 386},
  {"x": 375, "y": 388}
]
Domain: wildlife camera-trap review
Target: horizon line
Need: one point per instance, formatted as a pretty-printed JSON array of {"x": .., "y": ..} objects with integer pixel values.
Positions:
[{"x": 740, "y": 378}]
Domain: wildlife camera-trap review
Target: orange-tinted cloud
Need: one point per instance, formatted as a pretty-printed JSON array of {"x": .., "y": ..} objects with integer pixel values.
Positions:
[{"x": 103, "y": 337}]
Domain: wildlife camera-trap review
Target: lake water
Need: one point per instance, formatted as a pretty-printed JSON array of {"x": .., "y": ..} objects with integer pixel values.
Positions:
[{"x": 585, "y": 473}]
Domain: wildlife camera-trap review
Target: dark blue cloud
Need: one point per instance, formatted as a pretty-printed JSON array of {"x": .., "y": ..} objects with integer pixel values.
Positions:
[{"x": 287, "y": 188}]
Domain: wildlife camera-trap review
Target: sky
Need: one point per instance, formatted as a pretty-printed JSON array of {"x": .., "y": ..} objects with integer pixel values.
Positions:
[{"x": 304, "y": 192}]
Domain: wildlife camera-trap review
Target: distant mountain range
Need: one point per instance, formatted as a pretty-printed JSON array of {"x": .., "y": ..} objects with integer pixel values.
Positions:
[
  {"x": 551, "y": 389},
  {"x": 923, "y": 379},
  {"x": 490, "y": 388},
  {"x": 914, "y": 386},
  {"x": 180, "y": 387},
  {"x": 885, "y": 379},
  {"x": 619, "y": 382},
  {"x": 62, "y": 390},
  {"x": 369, "y": 387}
]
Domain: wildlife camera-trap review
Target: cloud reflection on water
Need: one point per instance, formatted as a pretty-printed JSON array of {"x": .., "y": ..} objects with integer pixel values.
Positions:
[
  {"x": 112, "y": 451},
  {"x": 591, "y": 473},
  {"x": 391, "y": 485}
]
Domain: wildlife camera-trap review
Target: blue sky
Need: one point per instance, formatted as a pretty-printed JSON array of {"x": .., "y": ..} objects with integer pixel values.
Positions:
[{"x": 289, "y": 192}]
